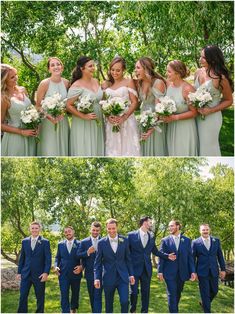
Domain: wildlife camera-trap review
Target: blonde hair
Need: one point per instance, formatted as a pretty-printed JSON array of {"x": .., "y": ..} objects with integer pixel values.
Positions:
[
  {"x": 180, "y": 68},
  {"x": 5, "y": 70}
]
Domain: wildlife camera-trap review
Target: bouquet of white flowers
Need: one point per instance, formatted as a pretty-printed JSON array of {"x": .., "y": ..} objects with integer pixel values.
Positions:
[
  {"x": 148, "y": 120},
  {"x": 30, "y": 119},
  {"x": 115, "y": 106},
  {"x": 200, "y": 98},
  {"x": 54, "y": 106},
  {"x": 85, "y": 105},
  {"x": 166, "y": 106}
]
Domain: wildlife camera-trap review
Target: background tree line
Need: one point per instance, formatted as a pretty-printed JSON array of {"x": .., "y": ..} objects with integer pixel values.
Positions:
[
  {"x": 78, "y": 191},
  {"x": 163, "y": 30}
]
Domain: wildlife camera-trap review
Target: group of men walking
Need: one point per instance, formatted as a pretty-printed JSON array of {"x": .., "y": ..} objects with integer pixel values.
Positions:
[{"x": 116, "y": 262}]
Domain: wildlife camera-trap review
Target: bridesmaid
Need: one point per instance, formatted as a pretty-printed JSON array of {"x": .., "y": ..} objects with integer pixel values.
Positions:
[
  {"x": 87, "y": 136},
  {"x": 215, "y": 77},
  {"x": 126, "y": 141},
  {"x": 151, "y": 86},
  {"x": 16, "y": 141},
  {"x": 53, "y": 142},
  {"x": 182, "y": 138}
]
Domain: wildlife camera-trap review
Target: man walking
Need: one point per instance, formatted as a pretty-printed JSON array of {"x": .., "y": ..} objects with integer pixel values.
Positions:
[
  {"x": 182, "y": 269},
  {"x": 34, "y": 267},
  {"x": 68, "y": 268},
  {"x": 207, "y": 254}
]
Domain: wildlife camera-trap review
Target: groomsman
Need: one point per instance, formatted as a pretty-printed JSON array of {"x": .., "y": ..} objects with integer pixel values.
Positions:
[
  {"x": 87, "y": 250},
  {"x": 182, "y": 269},
  {"x": 113, "y": 266},
  {"x": 68, "y": 268},
  {"x": 142, "y": 244},
  {"x": 207, "y": 254},
  {"x": 34, "y": 267}
]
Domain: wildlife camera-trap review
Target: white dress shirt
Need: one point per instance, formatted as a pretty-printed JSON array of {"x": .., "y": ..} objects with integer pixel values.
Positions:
[
  {"x": 69, "y": 245},
  {"x": 33, "y": 242},
  {"x": 94, "y": 242},
  {"x": 176, "y": 240},
  {"x": 207, "y": 242},
  {"x": 144, "y": 237},
  {"x": 114, "y": 243}
]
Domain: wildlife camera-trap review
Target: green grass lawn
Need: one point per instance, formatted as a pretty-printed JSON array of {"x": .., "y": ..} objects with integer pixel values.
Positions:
[
  {"x": 224, "y": 302},
  {"x": 227, "y": 133}
]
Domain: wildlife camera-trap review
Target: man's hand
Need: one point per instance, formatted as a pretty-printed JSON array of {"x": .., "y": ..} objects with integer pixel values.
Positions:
[
  {"x": 193, "y": 277},
  {"x": 172, "y": 256},
  {"x": 97, "y": 284},
  {"x": 160, "y": 276},
  {"x": 77, "y": 269},
  {"x": 18, "y": 277},
  {"x": 222, "y": 274},
  {"x": 43, "y": 277},
  {"x": 90, "y": 250},
  {"x": 132, "y": 280},
  {"x": 57, "y": 271}
]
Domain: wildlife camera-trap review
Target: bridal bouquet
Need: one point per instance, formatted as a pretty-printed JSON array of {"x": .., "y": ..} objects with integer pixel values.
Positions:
[
  {"x": 30, "y": 119},
  {"x": 166, "y": 106},
  {"x": 115, "y": 106},
  {"x": 148, "y": 120},
  {"x": 54, "y": 106},
  {"x": 85, "y": 105},
  {"x": 200, "y": 98}
]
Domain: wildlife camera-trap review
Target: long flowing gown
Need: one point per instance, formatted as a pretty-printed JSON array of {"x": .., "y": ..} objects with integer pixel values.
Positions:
[
  {"x": 54, "y": 142},
  {"x": 126, "y": 141},
  {"x": 87, "y": 136},
  {"x": 209, "y": 129},
  {"x": 182, "y": 137},
  {"x": 15, "y": 144},
  {"x": 155, "y": 145}
]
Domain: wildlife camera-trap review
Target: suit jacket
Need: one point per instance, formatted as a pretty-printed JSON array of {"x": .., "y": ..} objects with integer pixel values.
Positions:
[
  {"x": 207, "y": 260},
  {"x": 108, "y": 264},
  {"x": 67, "y": 261},
  {"x": 184, "y": 264},
  {"x": 140, "y": 256},
  {"x": 87, "y": 261},
  {"x": 34, "y": 262}
]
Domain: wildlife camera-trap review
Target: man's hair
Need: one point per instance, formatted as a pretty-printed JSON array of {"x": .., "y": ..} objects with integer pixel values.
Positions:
[
  {"x": 177, "y": 222},
  {"x": 143, "y": 219},
  {"x": 68, "y": 227},
  {"x": 35, "y": 223},
  {"x": 204, "y": 224},
  {"x": 96, "y": 224},
  {"x": 111, "y": 221}
]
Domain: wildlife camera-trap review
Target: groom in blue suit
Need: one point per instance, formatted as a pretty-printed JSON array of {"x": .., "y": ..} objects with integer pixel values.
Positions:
[
  {"x": 113, "y": 266},
  {"x": 33, "y": 268},
  {"x": 142, "y": 244},
  {"x": 207, "y": 254},
  {"x": 182, "y": 269},
  {"x": 69, "y": 270},
  {"x": 87, "y": 250}
]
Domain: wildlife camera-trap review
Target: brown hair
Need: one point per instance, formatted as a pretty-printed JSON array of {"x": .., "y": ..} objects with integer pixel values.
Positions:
[
  {"x": 96, "y": 224},
  {"x": 49, "y": 60},
  {"x": 180, "y": 68},
  {"x": 149, "y": 65},
  {"x": 111, "y": 221},
  {"x": 68, "y": 227},
  {"x": 35, "y": 223},
  {"x": 114, "y": 61},
  {"x": 177, "y": 223}
]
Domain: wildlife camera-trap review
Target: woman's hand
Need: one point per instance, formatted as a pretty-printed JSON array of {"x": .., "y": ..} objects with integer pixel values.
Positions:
[
  {"x": 27, "y": 133},
  {"x": 56, "y": 119},
  {"x": 168, "y": 119},
  {"x": 145, "y": 136},
  {"x": 204, "y": 111},
  {"x": 90, "y": 116}
]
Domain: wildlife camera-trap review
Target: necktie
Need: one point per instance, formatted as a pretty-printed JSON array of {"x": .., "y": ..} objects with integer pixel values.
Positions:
[
  {"x": 207, "y": 243},
  {"x": 33, "y": 243},
  {"x": 69, "y": 246},
  {"x": 95, "y": 240},
  {"x": 145, "y": 240},
  {"x": 177, "y": 242}
]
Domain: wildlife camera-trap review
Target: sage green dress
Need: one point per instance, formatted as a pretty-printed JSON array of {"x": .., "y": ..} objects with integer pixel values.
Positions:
[
  {"x": 155, "y": 145},
  {"x": 182, "y": 137},
  {"x": 209, "y": 129},
  {"x": 54, "y": 142},
  {"x": 15, "y": 144},
  {"x": 87, "y": 136}
]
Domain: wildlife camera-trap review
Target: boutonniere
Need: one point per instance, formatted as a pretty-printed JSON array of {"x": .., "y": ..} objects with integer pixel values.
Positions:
[
  {"x": 39, "y": 241},
  {"x": 182, "y": 239},
  {"x": 120, "y": 240},
  {"x": 213, "y": 240},
  {"x": 74, "y": 246}
]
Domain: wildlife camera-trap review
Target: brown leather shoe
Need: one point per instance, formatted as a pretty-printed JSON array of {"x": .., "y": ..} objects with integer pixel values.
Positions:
[{"x": 73, "y": 311}]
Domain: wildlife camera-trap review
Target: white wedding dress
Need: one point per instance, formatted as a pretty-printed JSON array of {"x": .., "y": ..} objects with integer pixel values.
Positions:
[{"x": 126, "y": 141}]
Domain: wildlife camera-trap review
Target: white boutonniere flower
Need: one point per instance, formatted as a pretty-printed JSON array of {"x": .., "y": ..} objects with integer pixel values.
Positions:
[
  {"x": 213, "y": 240},
  {"x": 182, "y": 239},
  {"x": 39, "y": 241},
  {"x": 74, "y": 246},
  {"x": 120, "y": 240}
]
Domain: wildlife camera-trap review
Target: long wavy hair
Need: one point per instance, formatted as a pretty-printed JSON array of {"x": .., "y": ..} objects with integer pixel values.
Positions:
[
  {"x": 77, "y": 71},
  {"x": 216, "y": 63},
  {"x": 5, "y": 70},
  {"x": 149, "y": 66},
  {"x": 114, "y": 61}
]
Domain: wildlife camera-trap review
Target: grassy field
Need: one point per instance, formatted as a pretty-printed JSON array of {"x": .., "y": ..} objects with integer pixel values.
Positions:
[
  {"x": 227, "y": 133},
  {"x": 224, "y": 302}
]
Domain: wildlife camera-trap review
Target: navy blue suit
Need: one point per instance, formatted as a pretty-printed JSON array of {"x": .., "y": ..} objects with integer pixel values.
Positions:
[
  {"x": 142, "y": 267},
  {"x": 32, "y": 264},
  {"x": 88, "y": 264},
  {"x": 176, "y": 272},
  {"x": 66, "y": 262},
  {"x": 207, "y": 269},
  {"x": 114, "y": 269}
]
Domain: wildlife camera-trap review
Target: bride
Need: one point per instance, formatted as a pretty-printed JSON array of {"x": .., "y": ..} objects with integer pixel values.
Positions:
[{"x": 126, "y": 141}]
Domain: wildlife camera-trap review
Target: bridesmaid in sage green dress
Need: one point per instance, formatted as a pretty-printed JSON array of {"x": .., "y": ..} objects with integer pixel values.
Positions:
[
  {"x": 53, "y": 142},
  {"x": 87, "y": 129},
  {"x": 182, "y": 137},
  {"x": 151, "y": 86},
  {"x": 16, "y": 141},
  {"x": 215, "y": 78}
]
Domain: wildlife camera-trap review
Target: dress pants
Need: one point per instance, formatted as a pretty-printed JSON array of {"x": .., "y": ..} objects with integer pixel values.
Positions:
[
  {"x": 174, "y": 289},
  {"x": 65, "y": 284},
  {"x": 208, "y": 289},
  {"x": 123, "y": 291},
  {"x": 144, "y": 280},
  {"x": 95, "y": 297},
  {"x": 39, "y": 288}
]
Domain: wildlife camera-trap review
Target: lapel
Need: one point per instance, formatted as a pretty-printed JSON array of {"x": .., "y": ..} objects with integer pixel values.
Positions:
[
  {"x": 139, "y": 238},
  {"x": 212, "y": 244},
  {"x": 108, "y": 245},
  {"x": 119, "y": 244},
  {"x": 74, "y": 247},
  {"x": 203, "y": 245},
  {"x": 37, "y": 244},
  {"x": 173, "y": 243},
  {"x": 65, "y": 247}
]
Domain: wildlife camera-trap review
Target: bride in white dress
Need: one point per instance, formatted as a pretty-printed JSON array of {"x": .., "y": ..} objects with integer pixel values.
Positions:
[{"x": 126, "y": 141}]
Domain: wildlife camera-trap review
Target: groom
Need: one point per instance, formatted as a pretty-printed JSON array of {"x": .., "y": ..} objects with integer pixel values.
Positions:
[{"x": 113, "y": 266}]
